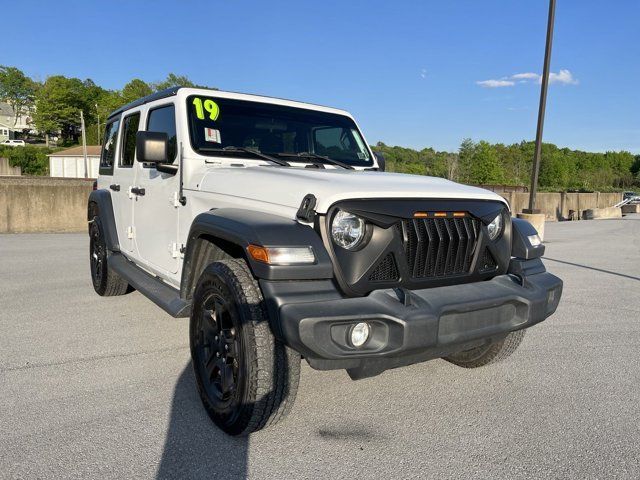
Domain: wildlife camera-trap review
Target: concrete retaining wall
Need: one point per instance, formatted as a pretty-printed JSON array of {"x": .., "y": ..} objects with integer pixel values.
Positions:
[
  {"x": 7, "y": 169},
  {"x": 43, "y": 204},
  {"x": 556, "y": 206}
]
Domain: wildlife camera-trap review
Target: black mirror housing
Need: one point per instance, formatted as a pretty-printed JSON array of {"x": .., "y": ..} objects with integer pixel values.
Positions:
[
  {"x": 152, "y": 147},
  {"x": 381, "y": 161}
]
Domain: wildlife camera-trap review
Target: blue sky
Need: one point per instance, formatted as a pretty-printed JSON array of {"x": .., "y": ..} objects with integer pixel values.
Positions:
[{"x": 408, "y": 70}]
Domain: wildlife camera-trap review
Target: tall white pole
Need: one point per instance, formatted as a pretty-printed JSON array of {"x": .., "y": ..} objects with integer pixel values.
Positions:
[{"x": 84, "y": 145}]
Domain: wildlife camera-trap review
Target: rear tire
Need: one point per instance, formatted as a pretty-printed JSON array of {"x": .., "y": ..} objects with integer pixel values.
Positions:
[
  {"x": 246, "y": 378},
  {"x": 487, "y": 354},
  {"x": 106, "y": 282}
]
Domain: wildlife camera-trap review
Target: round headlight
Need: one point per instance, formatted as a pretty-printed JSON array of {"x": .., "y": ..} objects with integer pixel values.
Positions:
[
  {"x": 495, "y": 227},
  {"x": 347, "y": 229}
]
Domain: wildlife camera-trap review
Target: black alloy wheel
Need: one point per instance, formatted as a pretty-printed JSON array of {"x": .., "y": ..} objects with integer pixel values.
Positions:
[
  {"x": 217, "y": 345},
  {"x": 246, "y": 378}
]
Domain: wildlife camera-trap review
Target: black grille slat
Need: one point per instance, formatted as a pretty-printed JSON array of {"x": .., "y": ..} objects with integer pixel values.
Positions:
[
  {"x": 471, "y": 233},
  {"x": 458, "y": 264},
  {"x": 439, "y": 247},
  {"x": 421, "y": 233}
]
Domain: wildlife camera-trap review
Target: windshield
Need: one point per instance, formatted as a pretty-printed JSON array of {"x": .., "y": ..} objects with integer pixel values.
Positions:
[{"x": 283, "y": 132}]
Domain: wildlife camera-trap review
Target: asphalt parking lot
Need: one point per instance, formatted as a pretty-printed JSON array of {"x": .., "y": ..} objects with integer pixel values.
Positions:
[{"x": 96, "y": 387}]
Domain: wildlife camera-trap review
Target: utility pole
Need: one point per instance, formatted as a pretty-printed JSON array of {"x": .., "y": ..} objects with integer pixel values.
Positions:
[
  {"x": 98, "y": 128},
  {"x": 543, "y": 101},
  {"x": 84, "y": 145}
]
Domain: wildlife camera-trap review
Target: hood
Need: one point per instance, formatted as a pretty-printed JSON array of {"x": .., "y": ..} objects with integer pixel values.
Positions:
[{"x": 288, "y": 186}]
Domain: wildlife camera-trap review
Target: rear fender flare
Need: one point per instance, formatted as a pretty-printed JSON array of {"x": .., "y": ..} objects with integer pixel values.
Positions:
[{"x": 100, "y": 205}]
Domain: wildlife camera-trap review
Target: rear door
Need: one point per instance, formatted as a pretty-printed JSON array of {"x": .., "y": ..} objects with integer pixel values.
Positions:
[
  {"x": 155, "y": 212},
  {"x": 123, "y": 180},
  {"x": 116, "y": 180}
]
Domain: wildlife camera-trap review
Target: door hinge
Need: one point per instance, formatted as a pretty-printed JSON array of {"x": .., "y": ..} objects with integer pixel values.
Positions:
[
  {"x": 177, "y": 200},
  {"x": 177, "y": 250},
  {"x": 131, "y": 232}
]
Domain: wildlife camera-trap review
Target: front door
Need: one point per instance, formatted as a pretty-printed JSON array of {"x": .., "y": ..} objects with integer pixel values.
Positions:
[{"x": 155, "y": 209}]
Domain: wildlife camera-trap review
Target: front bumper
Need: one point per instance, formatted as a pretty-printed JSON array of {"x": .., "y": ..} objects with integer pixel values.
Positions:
[{"x": 407, "y": 326}]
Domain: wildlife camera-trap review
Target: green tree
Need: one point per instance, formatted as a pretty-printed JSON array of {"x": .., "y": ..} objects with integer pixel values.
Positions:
[
  {"x": 58, "y": 105},
  {"x": 17, "y": 90},
  {"x": 174, "y": 80},
  {"x": 135, "y": 89},
  {"x": 485, "y": 168}
]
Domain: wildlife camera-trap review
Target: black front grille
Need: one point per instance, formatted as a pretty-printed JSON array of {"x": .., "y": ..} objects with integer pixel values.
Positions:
[
  {"x": 386, "y": 270},
  {"x": 487, "y": 262},
  {"x": 439, "y": 247}
]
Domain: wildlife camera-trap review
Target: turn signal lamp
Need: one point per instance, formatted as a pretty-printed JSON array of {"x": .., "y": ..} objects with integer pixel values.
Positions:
[{"x": 282, "y": 255}]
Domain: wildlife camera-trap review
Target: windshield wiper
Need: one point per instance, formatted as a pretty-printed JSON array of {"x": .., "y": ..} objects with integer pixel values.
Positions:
[
  {"x": 310, "y": 156},
  {"x": 232, "y": 149}
]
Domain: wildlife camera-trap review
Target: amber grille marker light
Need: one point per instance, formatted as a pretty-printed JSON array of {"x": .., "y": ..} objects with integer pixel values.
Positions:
[
  {"x": 439, "y": 214},
  {"x": 258, "y": 253}
]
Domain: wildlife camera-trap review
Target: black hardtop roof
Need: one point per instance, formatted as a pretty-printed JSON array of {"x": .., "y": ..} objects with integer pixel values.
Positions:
[
  {"x": 168, "y": 92},
  {"x": 171, "y": 91}
]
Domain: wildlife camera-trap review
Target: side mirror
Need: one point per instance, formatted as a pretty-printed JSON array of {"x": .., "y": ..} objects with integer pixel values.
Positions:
[
  {"x": 152, "y": 147},
  {"x": 381, "y": 161}
]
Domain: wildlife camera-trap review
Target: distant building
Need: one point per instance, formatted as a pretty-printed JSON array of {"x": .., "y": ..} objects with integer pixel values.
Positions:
[
  {"x": 70, "y": 163},
  {"x": 4, "y": 132},
  {"x": 10, "y": 125}
]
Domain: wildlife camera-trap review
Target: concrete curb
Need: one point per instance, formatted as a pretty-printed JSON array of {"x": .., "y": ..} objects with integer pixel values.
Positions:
[{"x": 602, "y": 213}]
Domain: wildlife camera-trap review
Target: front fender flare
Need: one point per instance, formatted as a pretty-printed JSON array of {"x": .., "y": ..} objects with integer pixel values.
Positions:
[{"x": 244, "y": 227}]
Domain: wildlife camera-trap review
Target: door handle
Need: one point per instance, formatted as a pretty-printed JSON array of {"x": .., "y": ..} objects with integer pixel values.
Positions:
[
  {"x": 137, "y": 191},
  {"x": 115, "y": 187}
]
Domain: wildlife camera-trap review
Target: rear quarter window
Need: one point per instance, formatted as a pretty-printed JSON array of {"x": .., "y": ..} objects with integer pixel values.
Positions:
[{"x": 108, "y": 155}]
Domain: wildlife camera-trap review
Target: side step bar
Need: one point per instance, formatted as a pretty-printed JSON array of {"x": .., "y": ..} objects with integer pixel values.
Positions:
[{"x": 166, "y": 297}]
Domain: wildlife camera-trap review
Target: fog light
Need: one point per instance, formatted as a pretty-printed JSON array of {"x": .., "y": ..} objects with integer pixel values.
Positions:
[{"x": 360, "y": 334}]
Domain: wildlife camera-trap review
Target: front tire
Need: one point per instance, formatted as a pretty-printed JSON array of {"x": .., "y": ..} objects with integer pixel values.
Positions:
[
  {"x": 246, "y": 378},
  {"x": 106, "y": 282},
  {"x": 486, "y": 354}
]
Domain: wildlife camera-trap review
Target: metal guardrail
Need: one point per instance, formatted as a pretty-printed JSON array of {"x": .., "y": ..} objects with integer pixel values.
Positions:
[{"x": 627, "y": 201}]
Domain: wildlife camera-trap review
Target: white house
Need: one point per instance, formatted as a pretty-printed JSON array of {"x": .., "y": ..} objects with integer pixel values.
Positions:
[
  {"x": 9, "y": 124},
  {"x": 70, "y": 162},
  {"x": 4, "y": 132}
]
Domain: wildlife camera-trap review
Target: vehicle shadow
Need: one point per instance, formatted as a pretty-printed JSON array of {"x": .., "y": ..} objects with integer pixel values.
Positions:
[
  {"x": 609, "y": 272},
  {"x": 194, "y": 447}
]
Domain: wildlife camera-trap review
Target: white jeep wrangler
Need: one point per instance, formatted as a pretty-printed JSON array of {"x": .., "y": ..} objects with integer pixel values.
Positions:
[{"x": 271, "y": 224}]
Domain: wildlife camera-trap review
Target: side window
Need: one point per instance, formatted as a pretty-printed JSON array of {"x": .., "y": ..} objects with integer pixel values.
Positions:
[
  {"x": 163, "y": 119},
  {"x": 129, "y": 129},
  {"x": 109, "y": 148}
]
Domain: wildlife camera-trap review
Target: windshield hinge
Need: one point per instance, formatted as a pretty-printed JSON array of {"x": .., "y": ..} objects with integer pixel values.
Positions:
[{"x": 306, "y": 211}]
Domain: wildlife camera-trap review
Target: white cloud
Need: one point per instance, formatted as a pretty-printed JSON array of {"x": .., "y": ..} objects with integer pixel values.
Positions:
[
  {"x": 423, "y": 73},
  {"x": 495, "y": 83},
  {"x": 563, "y": 77},
  {"x": 525, "y": 76}
]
